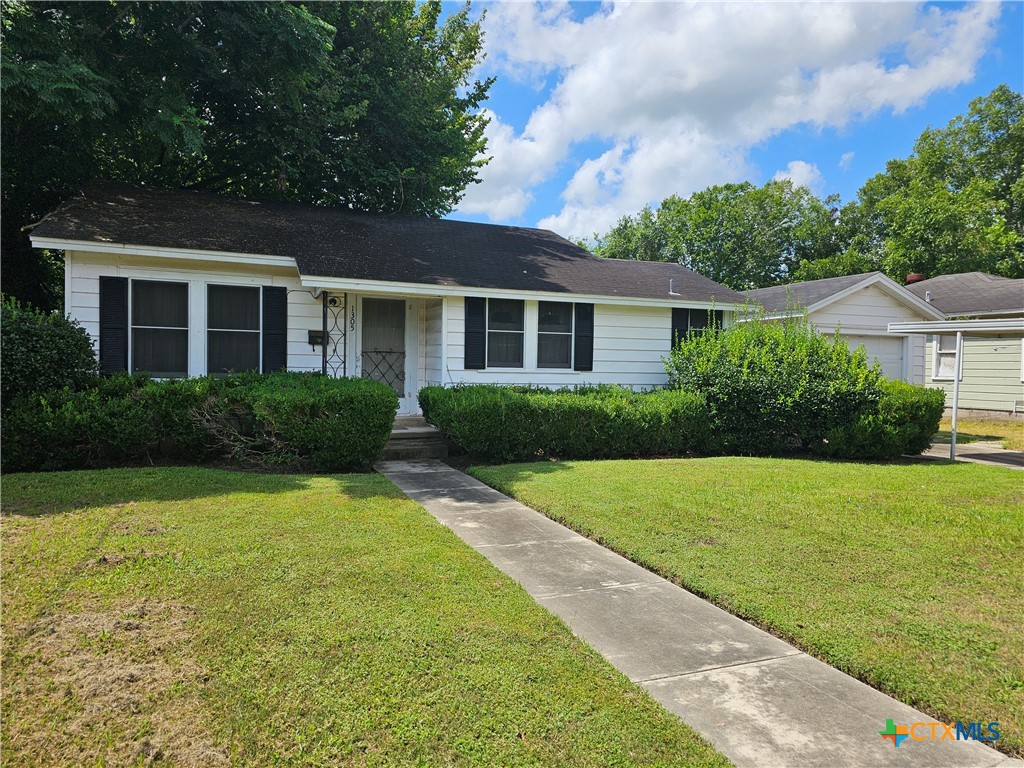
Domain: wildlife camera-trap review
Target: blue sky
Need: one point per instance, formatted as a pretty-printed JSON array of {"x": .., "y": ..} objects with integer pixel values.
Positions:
[{"x": 600, "y": 108}]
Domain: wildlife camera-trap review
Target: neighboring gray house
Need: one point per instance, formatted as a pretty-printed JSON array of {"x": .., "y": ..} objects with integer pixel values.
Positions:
[
  {"x": 860, "y": 308},
  {"x": 992, "y": 373},
  {"x": 184, "y": 284}
]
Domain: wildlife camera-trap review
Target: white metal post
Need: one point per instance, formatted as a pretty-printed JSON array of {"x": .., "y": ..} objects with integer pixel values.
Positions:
[{"x": 957, "y": 370}]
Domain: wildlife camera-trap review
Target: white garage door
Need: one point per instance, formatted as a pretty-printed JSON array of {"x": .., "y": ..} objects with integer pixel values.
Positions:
[{"x": 888, "y": 352}]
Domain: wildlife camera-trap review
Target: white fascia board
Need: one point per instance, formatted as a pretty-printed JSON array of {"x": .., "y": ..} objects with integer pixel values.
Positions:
[
  {"x": 260, "y": 259},
  {"x": 419, "y": 289},
  {"x": 1003, "y": 327}
]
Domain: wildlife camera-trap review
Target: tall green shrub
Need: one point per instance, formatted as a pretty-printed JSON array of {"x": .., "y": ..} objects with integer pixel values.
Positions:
[
  {"x": 774, "y": 387},
  {"x": 41, "y": 352}
]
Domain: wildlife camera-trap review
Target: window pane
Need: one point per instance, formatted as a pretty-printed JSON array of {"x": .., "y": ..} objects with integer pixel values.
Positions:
[
  {"x": 698, "y": 319},
  {"x": 504, "y": 350},
  {"x": 160, "y": 352},
  {"x": 947, "y": 343},
  {"x": 504, "y": 315},
  {"x": 554, "y": 317},
  {"x": 554, "y": 350},
  {"x": 232, "y": 351},
  {"x": 946, "y": 365},
  {"x": 233, "y": 307},
  {"x": 160, "y": 304}
]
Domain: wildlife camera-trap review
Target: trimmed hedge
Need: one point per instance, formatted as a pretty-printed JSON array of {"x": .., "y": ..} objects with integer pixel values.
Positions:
[
  {"x": 41, "y": 352},
  {"x": 903, "y": 423},
  {"x": 514, "y": 424},
  {"x": 775, "y": 387},
  {"x": 284, "y": 420}
]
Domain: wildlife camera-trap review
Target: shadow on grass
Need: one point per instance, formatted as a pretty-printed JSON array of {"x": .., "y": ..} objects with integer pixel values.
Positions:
[{"x": 47, "y": 493}]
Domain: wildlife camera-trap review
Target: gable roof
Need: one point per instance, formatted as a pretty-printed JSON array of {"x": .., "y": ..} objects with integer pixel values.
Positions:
[
  {"x": 972, "y": 293},
  {"x": 339, "y": 243},
  {"x": 813, "y": 295},
  {"x": 780, "y": 298}
]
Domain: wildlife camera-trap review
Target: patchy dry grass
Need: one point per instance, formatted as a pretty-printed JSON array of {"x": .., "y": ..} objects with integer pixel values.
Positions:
[
  {"x": 1009, "y": 434},
  {"x": 196, "y": 617}
]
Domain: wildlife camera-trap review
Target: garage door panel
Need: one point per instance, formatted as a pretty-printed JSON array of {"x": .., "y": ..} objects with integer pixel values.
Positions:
[{"x": 888, "y": 352}]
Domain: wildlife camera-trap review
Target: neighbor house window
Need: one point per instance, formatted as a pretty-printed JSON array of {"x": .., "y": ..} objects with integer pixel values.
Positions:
[
  {"x": 554, "y": 334},
  {"x": 505, "y": 332},
  {"x": 944, "y": 358},
  {"x": 696, "y": 320},
  {"x": 159, "y": 328},
  {"x": 232, "y": 328}
]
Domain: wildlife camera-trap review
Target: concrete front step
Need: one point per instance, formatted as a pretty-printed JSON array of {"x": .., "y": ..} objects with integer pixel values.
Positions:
[{"x": 413, "y": 438}]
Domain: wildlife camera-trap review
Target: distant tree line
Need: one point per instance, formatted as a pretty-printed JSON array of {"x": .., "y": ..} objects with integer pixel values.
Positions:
[{"x": 955, "y": 205}]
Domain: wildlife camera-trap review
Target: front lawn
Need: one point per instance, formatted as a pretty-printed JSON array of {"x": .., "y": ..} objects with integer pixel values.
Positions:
[
  {"x": 1009, "y": 434},
  {"x": 909, "y": 576},
  {"x": 201, "y": 617}
]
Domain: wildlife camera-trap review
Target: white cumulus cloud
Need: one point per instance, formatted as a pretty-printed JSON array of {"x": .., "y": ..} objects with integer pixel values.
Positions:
[
  {"x": 846, "y": 160},
  {"x": 802, "y": 174},
  {"x": 677, "y": 94}
]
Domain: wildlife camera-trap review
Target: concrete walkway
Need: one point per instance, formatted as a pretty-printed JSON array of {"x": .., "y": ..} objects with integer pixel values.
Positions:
[
  {"x": 981, "y": 452},
  {"x": 759, "y": 700}
]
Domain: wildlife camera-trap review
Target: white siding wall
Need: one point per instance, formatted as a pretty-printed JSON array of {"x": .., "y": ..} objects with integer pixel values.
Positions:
[
  {"x": 433, "y": 313},
  {"x": 991, "y": 374},
  {"x": 82, "y": 300},
  {"x": 867, "y": 313},
  {"x": 629, "y": 344}
]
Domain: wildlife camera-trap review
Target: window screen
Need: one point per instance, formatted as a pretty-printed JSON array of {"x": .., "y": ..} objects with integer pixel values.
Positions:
[
  {"x": 554, "y": 334},
  {"x": 159, "y": 328},
  {"x": 945, "y": 357},
  {"x": 505, "y": 333},
  {"x": 232, "y": 328}
]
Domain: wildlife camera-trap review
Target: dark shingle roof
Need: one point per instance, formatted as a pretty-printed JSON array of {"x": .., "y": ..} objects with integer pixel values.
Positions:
[
  {"x": 779, "y": 298},
  {"x": 334, "y": 242},
  {"x": 972, "y": 293}
]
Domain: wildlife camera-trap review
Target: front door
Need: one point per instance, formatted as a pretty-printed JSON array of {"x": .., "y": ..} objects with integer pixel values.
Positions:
[{"x": 383, "y": 343}]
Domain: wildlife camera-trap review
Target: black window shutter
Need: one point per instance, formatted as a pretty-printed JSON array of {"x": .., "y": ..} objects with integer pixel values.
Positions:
[
  {"x": 275, "y": 329},
  {"x": 476, "y": 333},
  {"x": 680, "y": 324},
  {"x": 583, "y": 353},
  {"x": 113, "y": 324}
]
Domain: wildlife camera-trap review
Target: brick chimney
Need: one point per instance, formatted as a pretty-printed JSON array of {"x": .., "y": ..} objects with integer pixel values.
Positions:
[{"x": 915, "y": 277}]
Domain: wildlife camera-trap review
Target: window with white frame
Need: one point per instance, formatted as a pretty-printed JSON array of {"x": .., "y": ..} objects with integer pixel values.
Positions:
[
  {"x": 505, "y": 333},
  {"x": 943, "y": 357},
  {"x": 554, "y": 334},
  {"x": 232, "y": 328},
  {"x": 159, "y": 328}
]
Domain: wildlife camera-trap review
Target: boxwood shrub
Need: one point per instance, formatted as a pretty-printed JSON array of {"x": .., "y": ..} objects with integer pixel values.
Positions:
[
  {"x": 514, "y": 424},
  {"x": 286, "y": 420},
  {"x": 775, "y": 387},
  {"x": 903, "y": 423},
  {"x": 42, "y": 352}
]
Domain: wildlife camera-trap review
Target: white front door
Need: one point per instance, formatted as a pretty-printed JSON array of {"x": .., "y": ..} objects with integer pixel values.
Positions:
[{"x": 384, "y": 354}]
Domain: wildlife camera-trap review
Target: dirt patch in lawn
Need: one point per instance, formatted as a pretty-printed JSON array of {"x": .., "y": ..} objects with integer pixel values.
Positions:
[{"x": 111, "y": 686}]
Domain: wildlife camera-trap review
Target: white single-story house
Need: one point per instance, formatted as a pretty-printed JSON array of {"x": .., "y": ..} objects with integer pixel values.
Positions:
[
  {"x": 179, "y": 283},
  {"x": 991, "y": 368},
  {"x": 860, "y": 308}
]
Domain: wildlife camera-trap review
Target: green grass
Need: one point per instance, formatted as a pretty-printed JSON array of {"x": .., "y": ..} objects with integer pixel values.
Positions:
[
  {"x": 1009, "y": 434},
  {"x": 195, "y": 616},
  {"x": 909, "y": 576}
]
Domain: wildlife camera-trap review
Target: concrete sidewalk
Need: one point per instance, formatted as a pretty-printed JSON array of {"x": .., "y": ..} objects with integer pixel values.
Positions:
[
  {"x": 987, "y": 452},
  {"x": 759, "y": 700}
]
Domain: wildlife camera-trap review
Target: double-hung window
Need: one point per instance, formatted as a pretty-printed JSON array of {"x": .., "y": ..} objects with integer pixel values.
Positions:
[
  {"x": 554, "y": 334},
  {"x": 505, "y": 333},
  {"x": 159, "y": 328},
  {"x": 944, "y": 358},
  {"x": 232, "y": 328}
]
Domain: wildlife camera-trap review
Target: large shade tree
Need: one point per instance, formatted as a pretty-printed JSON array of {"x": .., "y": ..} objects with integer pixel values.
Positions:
[{"x": 368, "y": 105}]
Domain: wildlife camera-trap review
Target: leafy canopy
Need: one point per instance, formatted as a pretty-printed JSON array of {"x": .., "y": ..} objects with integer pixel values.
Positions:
[{"x": 367, "y": 105}]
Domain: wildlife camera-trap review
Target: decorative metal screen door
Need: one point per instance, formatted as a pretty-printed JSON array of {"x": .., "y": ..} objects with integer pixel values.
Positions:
[{"x": 383, "y": 353}]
